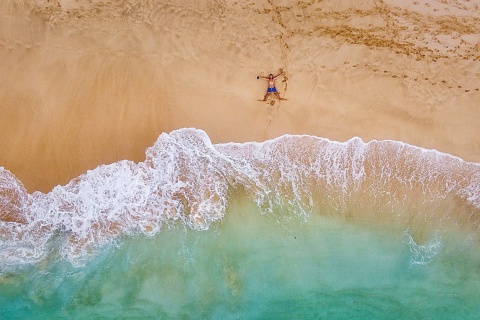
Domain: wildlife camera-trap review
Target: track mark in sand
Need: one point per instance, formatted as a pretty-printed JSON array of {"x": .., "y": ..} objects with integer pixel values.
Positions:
[
  {"x": 272, "y": 111},
  {"x": 405, "y": 31},
  {"x": 285, "y": 82},
  {"x": 403, "y": 77}
]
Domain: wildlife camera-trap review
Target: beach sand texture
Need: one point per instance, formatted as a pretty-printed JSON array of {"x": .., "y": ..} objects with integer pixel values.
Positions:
[{"x": 84, "y": 83}]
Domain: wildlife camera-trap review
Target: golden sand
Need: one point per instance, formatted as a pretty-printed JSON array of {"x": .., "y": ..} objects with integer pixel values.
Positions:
[{"x": 84, "y": 83}]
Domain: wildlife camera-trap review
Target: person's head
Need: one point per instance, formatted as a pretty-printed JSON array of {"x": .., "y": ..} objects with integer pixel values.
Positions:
[{"x": 270, "y": 76}]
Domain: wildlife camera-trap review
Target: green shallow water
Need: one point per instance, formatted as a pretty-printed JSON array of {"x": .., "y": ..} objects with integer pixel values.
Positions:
[{"x": 253, "y": 266}]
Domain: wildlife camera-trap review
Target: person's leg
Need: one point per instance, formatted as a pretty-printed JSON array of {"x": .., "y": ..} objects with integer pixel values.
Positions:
[
  {"x": 278, "y": 95},
  {"x": 266, "y": 96}
]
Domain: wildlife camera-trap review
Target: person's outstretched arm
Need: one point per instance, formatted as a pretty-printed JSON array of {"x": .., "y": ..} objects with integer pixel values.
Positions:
[{"x": 278, "y": 75}]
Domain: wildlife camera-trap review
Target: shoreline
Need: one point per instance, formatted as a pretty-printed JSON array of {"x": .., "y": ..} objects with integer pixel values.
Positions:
[{"x": 81, "y": 92}]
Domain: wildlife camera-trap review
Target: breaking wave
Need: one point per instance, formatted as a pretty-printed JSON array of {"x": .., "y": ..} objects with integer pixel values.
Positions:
[{"x": 187, "y": 180}]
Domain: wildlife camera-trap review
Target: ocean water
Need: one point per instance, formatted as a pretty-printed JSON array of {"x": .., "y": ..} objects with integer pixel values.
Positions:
[{"x": 296, "y": 227}]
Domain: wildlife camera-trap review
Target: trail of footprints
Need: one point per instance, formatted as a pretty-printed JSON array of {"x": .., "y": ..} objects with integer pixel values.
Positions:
[
  {"x": 443, "y": 82},
  {"x": 406, "y": 33}
]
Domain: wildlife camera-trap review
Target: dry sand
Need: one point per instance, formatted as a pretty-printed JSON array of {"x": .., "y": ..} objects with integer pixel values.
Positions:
[{"x": 84, "y": 83}]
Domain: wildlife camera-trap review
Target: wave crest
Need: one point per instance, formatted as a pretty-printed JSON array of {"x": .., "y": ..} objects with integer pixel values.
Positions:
[{"x": 186, "y": 179}]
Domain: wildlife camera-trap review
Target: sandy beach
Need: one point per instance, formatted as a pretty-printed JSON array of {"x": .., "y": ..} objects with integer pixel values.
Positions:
[
  {"x": 84, "y": 83},
  {"x": 170, "y": 189}
]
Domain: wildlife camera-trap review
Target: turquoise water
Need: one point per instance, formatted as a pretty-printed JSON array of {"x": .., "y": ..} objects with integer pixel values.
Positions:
[
  {"x": 257, "y": 266},
  {"x": 297, "y": 227}
]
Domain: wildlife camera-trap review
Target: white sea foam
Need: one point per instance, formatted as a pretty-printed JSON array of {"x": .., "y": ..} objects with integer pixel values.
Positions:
[
  {"x": 187, "y": 179},
  {"x": 423, "y": 254}
]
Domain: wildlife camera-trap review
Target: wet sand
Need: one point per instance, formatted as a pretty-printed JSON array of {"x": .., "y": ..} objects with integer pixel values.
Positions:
[{"x": 85, "y": 83}]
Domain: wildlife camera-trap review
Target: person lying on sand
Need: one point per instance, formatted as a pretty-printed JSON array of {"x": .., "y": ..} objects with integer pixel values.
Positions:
[{"x": 271, "y": 85}]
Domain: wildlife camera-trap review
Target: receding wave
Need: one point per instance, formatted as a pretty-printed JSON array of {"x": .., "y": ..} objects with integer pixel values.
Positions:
[{"x": 187, "y": 180}]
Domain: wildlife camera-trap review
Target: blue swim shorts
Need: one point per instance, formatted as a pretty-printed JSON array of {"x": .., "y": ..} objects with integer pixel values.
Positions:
[{"x": 272, "y": 89}]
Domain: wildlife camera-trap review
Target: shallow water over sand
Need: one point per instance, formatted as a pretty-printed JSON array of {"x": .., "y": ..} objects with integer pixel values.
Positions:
[{"x": 258, "y": 266}]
